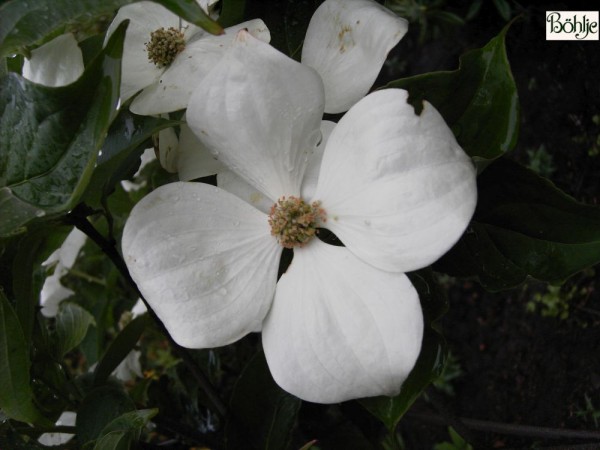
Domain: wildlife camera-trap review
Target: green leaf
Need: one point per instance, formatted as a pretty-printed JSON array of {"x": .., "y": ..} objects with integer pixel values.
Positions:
[
  {"x": 265, "y": 414},
  {"x": 287, "y": 20},
  {"x": 430, "y": 363},
  {"x": 120, "y": 348},
  {"x": 478, "y": 101},
  {"x": 126, "y": 140},
  {"x": 130, "y": 422},
  {"x": 72, "y": 323},
  {"x": 99, "y": 408},
  {"x": 16, "y": 396},
  {"x": 524, "y": 226},
  {"x": 31, "y": 23},
  {"x": 115, "y": 440},
  {"x": 232, "y": 12},
  {"x": 48, "y": 163},
  {"x": 503, "y": 8}
]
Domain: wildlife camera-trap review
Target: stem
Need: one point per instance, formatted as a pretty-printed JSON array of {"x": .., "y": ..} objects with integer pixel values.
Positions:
[
  {"x": 89, "y": 278},
  {"x": 510, "y": 429},
  {"x": 78, "y": 217},
  {"x": 450, "y": 418}
]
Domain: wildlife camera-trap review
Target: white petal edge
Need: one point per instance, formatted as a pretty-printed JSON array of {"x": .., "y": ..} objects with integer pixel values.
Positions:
[
  {"x": 58, "y": 62},
  {"x": 259, "y": 112},
  {"x": 204, "y": 260},
  {"x": 397, "y": 188},
  {"x": 194, "y": 160},
  {"x": 168, "y": 153},
  {"x": 347, "y": 42},
  {"x": 341, "y": 329},
  {"x": 173, "y": 88},
  {"x": 311, "y": 175}
]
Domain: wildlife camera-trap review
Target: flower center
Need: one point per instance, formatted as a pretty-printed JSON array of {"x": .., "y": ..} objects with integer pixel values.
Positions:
[
  {"x": 294, "y": 222},
  {"x": 164, "y": 46}
]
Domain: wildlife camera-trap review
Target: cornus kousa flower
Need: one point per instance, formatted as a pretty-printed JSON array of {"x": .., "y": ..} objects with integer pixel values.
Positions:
[
  {"x": 347, "y": 42},
  {"x": 165, "y": 58},
  {"x": 394, "y": 187}
]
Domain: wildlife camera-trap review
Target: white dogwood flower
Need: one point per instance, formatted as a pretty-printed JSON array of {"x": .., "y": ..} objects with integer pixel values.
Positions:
[
  {"x": 165, "y": 58},
  {"x": 395, "y": 187},
  {"x": 347, "y": 42}
]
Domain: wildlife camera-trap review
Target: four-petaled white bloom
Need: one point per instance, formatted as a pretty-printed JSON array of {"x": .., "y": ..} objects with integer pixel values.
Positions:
[
  {"x": 394, "y": 187},
  {"x": 167, "y": 84}
]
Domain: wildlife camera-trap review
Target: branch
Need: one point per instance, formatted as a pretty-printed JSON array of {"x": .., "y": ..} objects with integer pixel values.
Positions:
[{"x": 78, "y": 218}]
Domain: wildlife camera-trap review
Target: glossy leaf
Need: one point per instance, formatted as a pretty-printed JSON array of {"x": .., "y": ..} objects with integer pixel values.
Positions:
[
  {"x": 287, "y": 21},
  {"x": 478, "y": 101},
  {"x": 30, "y": 23},
  {"x": 265, "y": 414},
  {"x": 115, "y": 440},
  {"x": 127, "y": 138},
  {"x": 99, "y": 408},
  {"x": 45, "y": 167},
  {"x": 16, "y": 396},
  {"x": 524, "y": 226},
  {"x": 232, "y": 12},
  {"x": 72, "y": 323},
  {"x": 120, "y": 348},
  {"x": 430, "y": 363},
  {"x": 134, "y": 420}
]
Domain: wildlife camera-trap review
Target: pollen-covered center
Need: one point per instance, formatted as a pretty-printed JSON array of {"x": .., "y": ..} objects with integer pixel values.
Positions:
[
  {"x": 164, "y": 46},
  {"x": 294, "y": 222}
]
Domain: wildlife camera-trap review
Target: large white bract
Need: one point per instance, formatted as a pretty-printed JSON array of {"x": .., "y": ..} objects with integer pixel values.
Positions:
[
  {"x": 168, "y": 88},
  {"x": 342, "y": 322},
  {"x": 347, "y": 42}
]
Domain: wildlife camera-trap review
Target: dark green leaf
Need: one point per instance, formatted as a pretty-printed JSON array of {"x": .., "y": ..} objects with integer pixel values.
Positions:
[
  {"x": 115, "y": 440},
  {"x": 430, "y": 363},
  {"x": 47, "y": 164},
  {"x": 503, "y": 8},
  {"x": 429, "y": 366},
  {"x": 16, "y": 396},
  {"x": 524, "y": 225},
  {"x": 478, "y": 101},
  {"x": 265, "y": 414},
  {"x": 287, "y": 20},
  {"x": 99, "y": 408},
  {"x": 122, "y": 148},
  {"x": 120, "y": 348},
  {"x": 232, "y": 12},
  {"x": 27, "y": 24},
  {"x": 72, "y": 323},
  {"x": 130, "y": 422}
]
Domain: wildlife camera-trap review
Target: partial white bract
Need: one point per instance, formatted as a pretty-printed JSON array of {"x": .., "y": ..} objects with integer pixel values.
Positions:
[
  {"x": 396, "y": 188},
  {"x": 53, "y": 292},
  {"x": 67, "y": 418},
  {"x": 347, "y": 42},
  {"x": 167, "y": 88},
  {"x": 56, "y": 63}
]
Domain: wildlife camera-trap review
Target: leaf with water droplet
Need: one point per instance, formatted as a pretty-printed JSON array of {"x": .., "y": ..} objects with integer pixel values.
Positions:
[{"x": 46, "y": 168}]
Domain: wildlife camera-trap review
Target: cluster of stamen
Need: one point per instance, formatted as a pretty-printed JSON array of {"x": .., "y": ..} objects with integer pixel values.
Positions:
[
  {"x": 164, "y": 46},
  {"x": 294, "y": 222}
]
